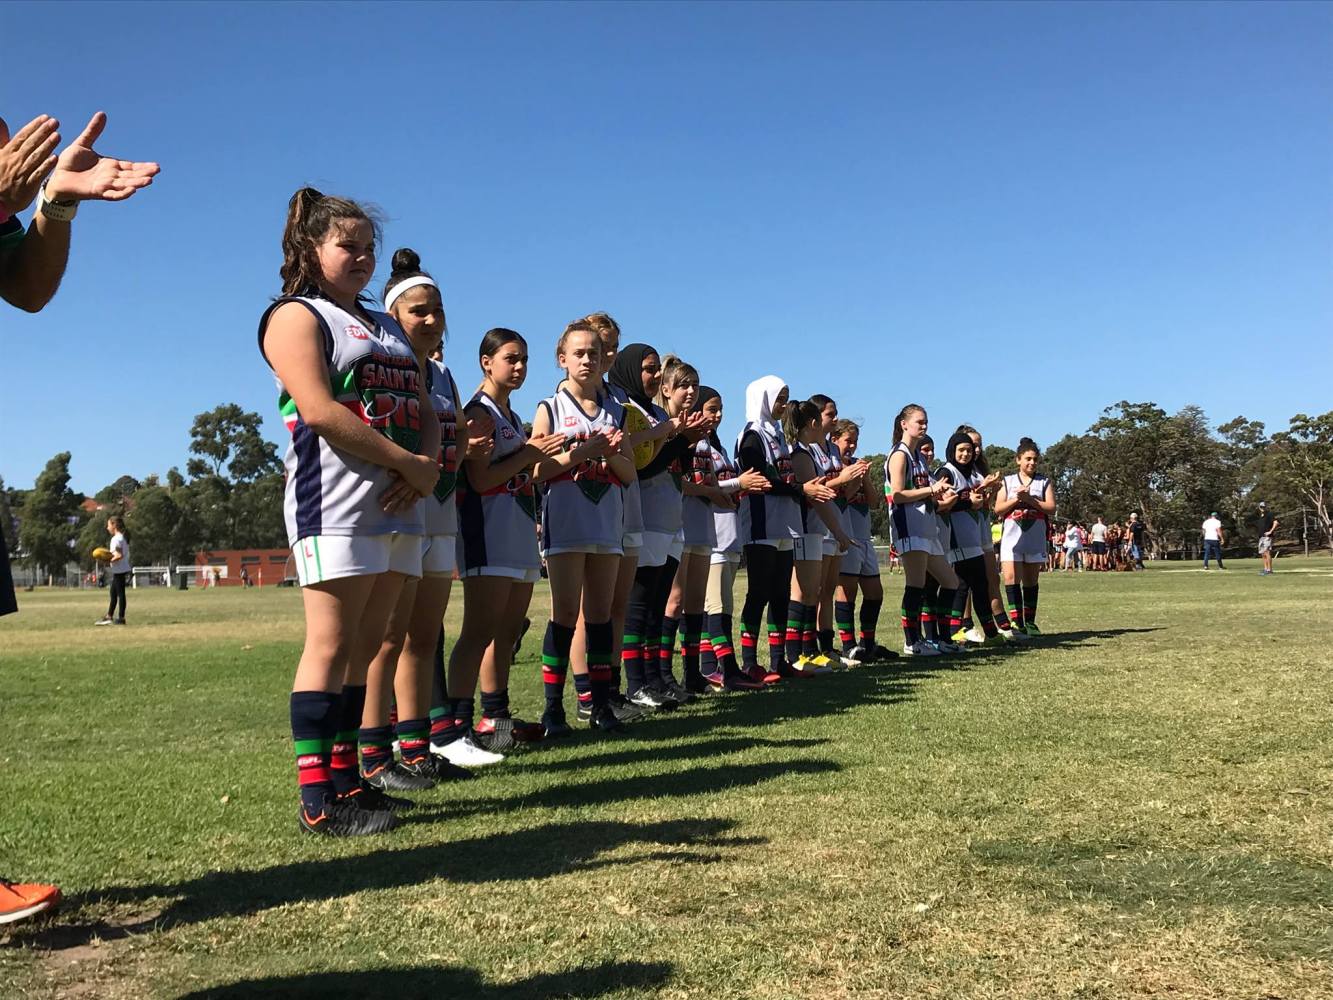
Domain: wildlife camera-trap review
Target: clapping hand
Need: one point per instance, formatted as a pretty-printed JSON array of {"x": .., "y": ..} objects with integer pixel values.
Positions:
[
  {"x": 25, "y": 160},
  {"x": 83, "y": 174}
]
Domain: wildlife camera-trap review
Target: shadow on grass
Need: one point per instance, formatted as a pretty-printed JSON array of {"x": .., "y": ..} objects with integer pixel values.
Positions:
[
  {"x": 1281, "y": 903},
  {"x": 431, "y": 982},
  {"x": 516, "y": 855},
  {"x": 649, "y": 752}
]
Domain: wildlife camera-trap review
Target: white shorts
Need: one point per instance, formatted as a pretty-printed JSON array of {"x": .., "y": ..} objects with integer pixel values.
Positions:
[
  {"x": 781, "y": 544},
  {"x": 676, "y": 548},
  {"x": 511, "y": 572},
  {"x": 591, "y": 549},
  {"x": 697, "y": 550},
  {"x": 914, "y": 543},
  {"x": 631, "y": 542},
  {"x": 439, "y": 555},
  {"x": 860, "y": 560},
  {"x": 656, "y": 548},
  {"x": 830, "y": 546},
  {"x": 809, "y": 548},
  {"x": 718, "y": 558},
  {"x": 1009, "y": 555},
  {"x": 321, "y": 558}
]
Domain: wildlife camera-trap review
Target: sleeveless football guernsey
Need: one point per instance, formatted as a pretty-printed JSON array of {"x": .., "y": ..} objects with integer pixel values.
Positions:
[
  {"x": 632, "y": 500},
  {"x": 964, "y": 540},
  {"x": 660, "y": 494},
  {"x": 442, "y": 505},
  {"x": 374, "y": 374},
  {"x": 1023, "y": 536},
  {"x": 697, "y": 512},
  {"x": 770, "y": 519},
  {"x": 497, "y": 529},
  {"x": 914, "y": 525},
  {"x": 583, "y": 507}
]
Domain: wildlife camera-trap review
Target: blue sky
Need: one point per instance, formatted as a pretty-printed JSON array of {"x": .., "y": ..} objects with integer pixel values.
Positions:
[{"x": 1013, "y": 214}]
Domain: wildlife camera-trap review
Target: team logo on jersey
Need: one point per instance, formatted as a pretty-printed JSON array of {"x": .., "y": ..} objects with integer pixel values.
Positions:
[
  {"x": 594, "y": 476},
  {"x": 507, "y": 433},
  {"x": 356, "y": 332},
  {"x": 571, "y": 421}
]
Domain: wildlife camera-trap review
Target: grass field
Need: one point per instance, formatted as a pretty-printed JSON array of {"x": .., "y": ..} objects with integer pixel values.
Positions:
[{"x": 1137, "y": 805}]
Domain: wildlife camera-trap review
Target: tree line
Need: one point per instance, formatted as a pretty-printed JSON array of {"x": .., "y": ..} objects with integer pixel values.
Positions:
[
  {"x": 1172, "y": 469},
  {"x": 229, "y": 497}
]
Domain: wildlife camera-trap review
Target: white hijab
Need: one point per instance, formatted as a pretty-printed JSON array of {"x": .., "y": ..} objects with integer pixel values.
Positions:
[{"x": 759, "y": 397}]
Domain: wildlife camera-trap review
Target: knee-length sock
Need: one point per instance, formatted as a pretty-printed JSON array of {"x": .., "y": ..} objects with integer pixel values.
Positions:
[
  {"x": 912, "y": 597},
  {"x": 413, "y": 739},
  {"x": 779, "y": 604},
  {"x": 1029, "y": 604},
  {"x": 719, "y": 636},
  {"x": 636, "y": 614},
  {"x": 555, "y": 663},
  {"x": 844, "y": 617},
  {"x": 792, "y": 636},
  {"x": 1014, "y": 592},
  {"x": 376, "y": 744},
  {"x": 691, "y": 643},
  {"x": 315, "y": 717},
  {"x": 494, "y": 704},
  {"x": 342, "y": 758},
  {"x": 601, "y": 641},
  {"x": 931, "y": 590},
  {"x": 869, "y": 621},
  {"x": 943, "y": 614},
  {"x": 666, "y": 652}
]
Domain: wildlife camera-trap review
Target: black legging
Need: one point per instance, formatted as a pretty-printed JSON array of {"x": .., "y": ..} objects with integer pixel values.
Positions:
[
  {"x": 648, "y": 598},
  {"x": 768, "y": 584},
  {"x": 117, "y": 594},
  {"x": 972, "y": 576}
]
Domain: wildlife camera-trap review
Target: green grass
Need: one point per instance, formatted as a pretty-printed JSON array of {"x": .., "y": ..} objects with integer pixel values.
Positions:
[{"x": 1136, "y": 805}]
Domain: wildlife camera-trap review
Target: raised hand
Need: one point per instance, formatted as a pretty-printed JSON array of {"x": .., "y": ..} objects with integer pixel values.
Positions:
[
  {"x": 817, "y": 492},
  {"x": 755, "y": 482},
  {"x": 545, "y": 445},
  {"x": 83, "y": 174},
  {"x": 25, "y": 160}
]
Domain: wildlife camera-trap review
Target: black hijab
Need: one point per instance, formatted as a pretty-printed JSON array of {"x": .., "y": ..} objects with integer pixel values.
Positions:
[
  {"x": 954, "y": 442},
  {"x": 627, "y": 373},
  {"x": 707, "y": 392}
]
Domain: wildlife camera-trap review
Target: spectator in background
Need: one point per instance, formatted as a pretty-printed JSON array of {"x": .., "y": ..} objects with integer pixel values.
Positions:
[
  {"x": 1213, "y": 538},
  {"x": 119, "y": 571},
  {"x": 1268, "y": 525},
  {"x": 32, "y": 262},
  {"x": 1135, "y": 530},
  {"x": 1073, "y": 547},
  {"x": 1098, "y": 534}
]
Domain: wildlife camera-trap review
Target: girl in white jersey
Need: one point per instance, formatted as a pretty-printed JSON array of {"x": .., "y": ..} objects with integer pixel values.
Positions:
[
  {"x": 989, "y": 485},
  {"x": 914, "y": 496},
  {"x": 969, "y": 537},
  {"x": 859, "y": 570},
  {"x": 770, "y": 521},
  {"x": 402, "y": 670},
  {"x": 844, "y": 477},
  {"x": 699, "y": 492},
  {"x": 810, "y": 463},
  {"x": 717, "y": 655},
  {"x": 937, "y": 602},
  {"x": 1026, "y": 502},
  {"x": 582, "y": 522},
  {"x": 497, "y": 556},
  {"x": 360, "y": 461}
]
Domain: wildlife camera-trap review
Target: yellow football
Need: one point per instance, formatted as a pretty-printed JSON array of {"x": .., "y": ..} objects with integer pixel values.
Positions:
[
  {"x": 635, "y": 421},
  {"x": 102, "y": 554}
]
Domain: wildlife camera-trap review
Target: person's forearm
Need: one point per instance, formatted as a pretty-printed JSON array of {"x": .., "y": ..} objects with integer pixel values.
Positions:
[
  {"x": 36, "y": 265},
  {"x": 483, "y": 476},
  {"x": 336, "y": 425}
]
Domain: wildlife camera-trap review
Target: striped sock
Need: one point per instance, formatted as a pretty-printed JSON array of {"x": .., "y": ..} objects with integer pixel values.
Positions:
[
  {"x": 443, "y": 729},
  {"x": 844, "y": 617},
  {"x": 809, "y": 631},
  {"x": 343, "y": 752},
  {"x": 464, "y": 708},
  {"x": 1014, "y": 593},
  {"x": 376, "y": 748},
  {"x": 314, "y": 724},
  {"x": 690, "y": 642},
  {"x": 583, "y": 689},
  {"x": 413, "y": 739},
  {"x": 601, "y": 640},
  {"x": 555, "y": 662},
  {"x": 749, "y": 650},
  {"x": 912, "y": 597},
  {"x": 944, "y": 615},
  {"x": 869, "y": 621},
  {"x": 795, "y": 624},
  {"x": 1030, "y": 604},
  {"x": 666, "y": 650}
]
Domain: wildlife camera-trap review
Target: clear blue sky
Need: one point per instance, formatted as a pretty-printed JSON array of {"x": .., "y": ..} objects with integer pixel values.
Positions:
[{"x": 1013, "y": 214}]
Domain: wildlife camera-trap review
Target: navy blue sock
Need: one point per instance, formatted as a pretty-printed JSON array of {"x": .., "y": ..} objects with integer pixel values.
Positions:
[
  {"x": 495, "y": 704},
  {"x": 555, "y": 663},
  {"x": 314, "y": 724},
  {"x": 346, "y": 776}
]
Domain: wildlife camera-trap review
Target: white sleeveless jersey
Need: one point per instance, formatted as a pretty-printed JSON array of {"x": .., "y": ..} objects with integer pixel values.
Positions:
[
  {"x": 811, "y": 523},
  {"x": 697, "y": 512},
  {"x": 915, "y": 527},
  {"x": 374, "y": 374},
  {"x": 964, "y": 538},
  {"x": 826, "y": 467},
  {"x": 1024, "y": 530},
  {"x": 856, "y": 513},
  {"x": 498, "y": 528},
  {"x": 633, "y": 501},
  {"x": 585, "y": 505},
  {"x": 768, "y": 518},
  {"x": 442, "y": 505},
  {"x": 727, "y": 522},
  {"x": 660, "y": 493}
]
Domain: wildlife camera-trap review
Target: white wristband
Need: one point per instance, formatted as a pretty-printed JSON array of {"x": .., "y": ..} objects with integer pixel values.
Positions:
[{"x": 56, "y": 211}]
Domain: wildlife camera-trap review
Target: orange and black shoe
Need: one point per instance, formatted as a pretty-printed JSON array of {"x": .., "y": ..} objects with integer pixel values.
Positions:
[
  {"x": 23, "y": 900},
  {"x": 393, "y": 777},
  {"x": 345, "y": 818},
  {"x": 366, "y": 796}
]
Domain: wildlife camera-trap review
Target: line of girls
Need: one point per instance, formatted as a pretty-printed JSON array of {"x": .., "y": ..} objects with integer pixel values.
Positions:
[
  {"x": 940, "y": 526},
  {"x": 396, "y": 484}
]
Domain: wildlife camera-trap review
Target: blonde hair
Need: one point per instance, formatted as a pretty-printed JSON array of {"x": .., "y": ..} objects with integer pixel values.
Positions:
[
  {"x": 578, "y": 326},
  {"x": 674, "y": 371}
]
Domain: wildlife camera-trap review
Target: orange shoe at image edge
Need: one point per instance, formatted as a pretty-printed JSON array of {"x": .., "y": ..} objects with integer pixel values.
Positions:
[{"x": 20, "y": 900}]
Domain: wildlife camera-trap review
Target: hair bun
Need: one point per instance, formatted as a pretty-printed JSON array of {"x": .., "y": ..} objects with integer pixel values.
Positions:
[{"x": 406, "y": 259}]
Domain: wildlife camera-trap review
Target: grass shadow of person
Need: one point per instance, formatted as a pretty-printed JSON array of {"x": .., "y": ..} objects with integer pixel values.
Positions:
[{"x": 435, "y": 982}]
